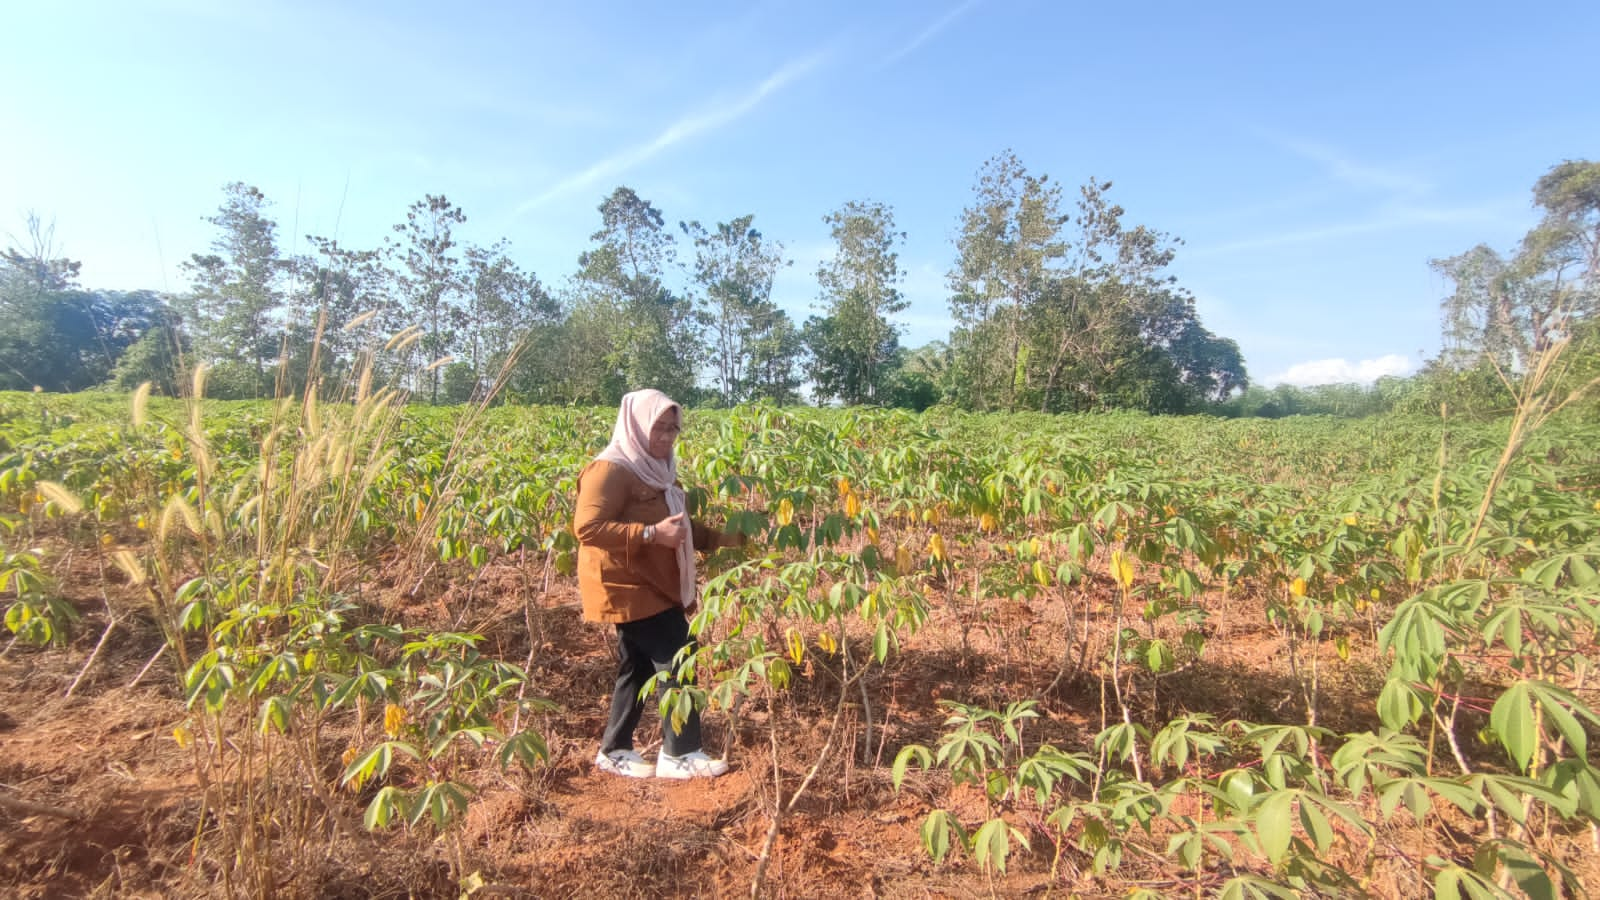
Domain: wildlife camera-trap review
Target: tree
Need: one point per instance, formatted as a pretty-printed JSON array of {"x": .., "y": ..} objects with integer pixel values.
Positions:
[
  {"x": 923, "y": 377},
  {"x": 33, "y": 266},
  {"x": 1010, "y": 240},
  {"x": 70, "y": 340},
  {"x": 1173, "y": 364},
  {"x": 1074, "y": 312},
  {"x": 347, "y": 290},
  {"x": 57, "y": 336},
  {"x": 1508, "y": 312},
  {"x": 430, "y": 278},
  {"x": 854, "y": 347},
  {"x": 773, "y": 373},
  {"x": 735, "y": 268},
  {"x": 643, "y": 332},
  {"x": 234, "y": 308},
  {"x": 504, "y": 305},
  {"x": 157, "y": 357}
]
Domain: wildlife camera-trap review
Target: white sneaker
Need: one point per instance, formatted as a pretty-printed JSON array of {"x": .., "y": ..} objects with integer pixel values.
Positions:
[
  {"x": 623, "y": 762},
  {"x": 689, "y": 765}
]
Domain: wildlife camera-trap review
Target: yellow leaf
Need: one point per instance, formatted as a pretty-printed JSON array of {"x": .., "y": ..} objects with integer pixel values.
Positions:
[
  {"x": 1342, "y": 644},
  {"x": 797, "y": 647},
  {"x": 349, "y": 755},
  {"x": 1297, "y": 587},
  {"x": 872, "y": 534},
  {"x": 930, "y": 516},
  {"x": 936, "y": 546},
  {"x": 844, "y": 487},
  {"x": 1350, "y": 519},
  {"x": 183, "y": 736},
  {"x": 902, "y": 559},
  {"x": 785, "y": 511},
  {"x": 1121, "y": 569},
  {"x": 1040, "y": 573},
  {"x": 394, "y": 716},
  {"x": 852, "y": 505},
  {"x": 827, "y": 643},
  {"x": 986, "y": 522}
]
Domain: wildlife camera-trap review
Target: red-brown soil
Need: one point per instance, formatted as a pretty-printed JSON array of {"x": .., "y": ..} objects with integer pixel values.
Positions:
[{"x": 108, "y": 757}]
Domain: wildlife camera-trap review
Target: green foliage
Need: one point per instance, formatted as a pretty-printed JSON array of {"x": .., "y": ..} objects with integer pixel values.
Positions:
[
  {"x": 854, "y": 346},
  {"x": 1354, "y": 533},
  {"x": 753, "y": 345},
  {"x": 34, "y": 614},
  {"x": 1063, "y": 312},
  {"x": 636, "y": 331}
]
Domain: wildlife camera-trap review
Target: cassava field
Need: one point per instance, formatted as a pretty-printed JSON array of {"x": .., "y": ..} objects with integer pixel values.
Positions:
[{"x": 335, "y": 651}]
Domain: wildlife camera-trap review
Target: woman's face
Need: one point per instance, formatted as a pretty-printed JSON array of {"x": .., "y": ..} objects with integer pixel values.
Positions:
[{"x": 664, "y": 433}]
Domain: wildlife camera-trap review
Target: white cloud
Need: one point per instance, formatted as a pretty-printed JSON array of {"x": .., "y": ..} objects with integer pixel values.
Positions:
[
  {"x": 927, "y": 33},
  {"x": 1387, "y": 219},
  {"x": 1341, "y": 371},
  {"x": 1353, "y": 172},
  {"x": 681, "y": 130}
]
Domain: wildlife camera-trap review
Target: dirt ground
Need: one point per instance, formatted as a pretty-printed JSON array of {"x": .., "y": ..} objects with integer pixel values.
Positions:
[{"x": 116, "y": 811}]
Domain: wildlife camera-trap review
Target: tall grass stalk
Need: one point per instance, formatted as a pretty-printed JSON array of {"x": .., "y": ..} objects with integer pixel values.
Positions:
[{"x": 259, "y": 558}]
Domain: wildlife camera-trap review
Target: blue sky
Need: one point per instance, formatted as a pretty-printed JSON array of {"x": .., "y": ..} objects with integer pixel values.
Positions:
[{"x": 1312, "y": 157}]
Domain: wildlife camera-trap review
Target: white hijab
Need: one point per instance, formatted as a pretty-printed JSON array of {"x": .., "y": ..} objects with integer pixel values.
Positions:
[{"x": 630, "y": 447}]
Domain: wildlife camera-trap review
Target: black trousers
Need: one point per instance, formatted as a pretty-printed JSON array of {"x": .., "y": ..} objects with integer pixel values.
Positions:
[{"x": 646, "y": 647}]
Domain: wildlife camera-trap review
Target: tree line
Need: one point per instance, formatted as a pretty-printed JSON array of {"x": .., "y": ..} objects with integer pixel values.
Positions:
[{"x": 1056, "y": 308}]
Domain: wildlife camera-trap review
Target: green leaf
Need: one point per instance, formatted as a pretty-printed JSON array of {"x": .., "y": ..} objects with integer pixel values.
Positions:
[
  {"x": 936, "y": 831},
  {"x": 1554, "y": 701},
  {"x": 1158, "y": 656},
  {"x": 1316, "y": 826},
  {"x": 1527, "y": 873},
  {"x": 902, "y": 760},
  {"x": 388, "y": 803},
  {"x": 1454, "y": 883},
  {"x": 992, "y": 844},
  {"x": 1513, "y": 722},
  {"x": 1273, "y": 824},
  {"x": 526, "y": 747},
  {"x": 275, "y": 712},
  {"x": 1398, "y": 705},
  {"x": 1583, "y": 574},
  {"x": 1239, "y": 786},
  {"x": 1188, "y": 846}
]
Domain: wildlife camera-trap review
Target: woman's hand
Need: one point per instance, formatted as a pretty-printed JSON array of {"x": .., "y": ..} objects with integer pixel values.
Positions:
[{"x": 671, "y": 531}]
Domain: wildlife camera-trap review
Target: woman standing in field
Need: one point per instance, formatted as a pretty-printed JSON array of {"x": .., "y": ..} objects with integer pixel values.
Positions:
[{"x": 636, "y": 570}]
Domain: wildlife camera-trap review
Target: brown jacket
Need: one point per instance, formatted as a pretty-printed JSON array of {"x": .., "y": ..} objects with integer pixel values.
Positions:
[{"x": 621, "y": 578}]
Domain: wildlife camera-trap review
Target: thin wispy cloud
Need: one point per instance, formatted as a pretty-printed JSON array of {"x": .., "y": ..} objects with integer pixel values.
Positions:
[
  {"x": 678, "y": 132},
  {"x": 1354, "y": 172},
  {"x": 1386, "y": 220},
  {"x": 927, "y": 33}
]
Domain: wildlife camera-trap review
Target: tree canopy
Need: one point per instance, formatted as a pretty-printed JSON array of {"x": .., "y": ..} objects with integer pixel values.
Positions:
[{"x": 1059, "y": 301}]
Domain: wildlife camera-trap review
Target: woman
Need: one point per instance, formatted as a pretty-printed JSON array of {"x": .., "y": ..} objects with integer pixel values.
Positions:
[{"x": 636, "y": 570}]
